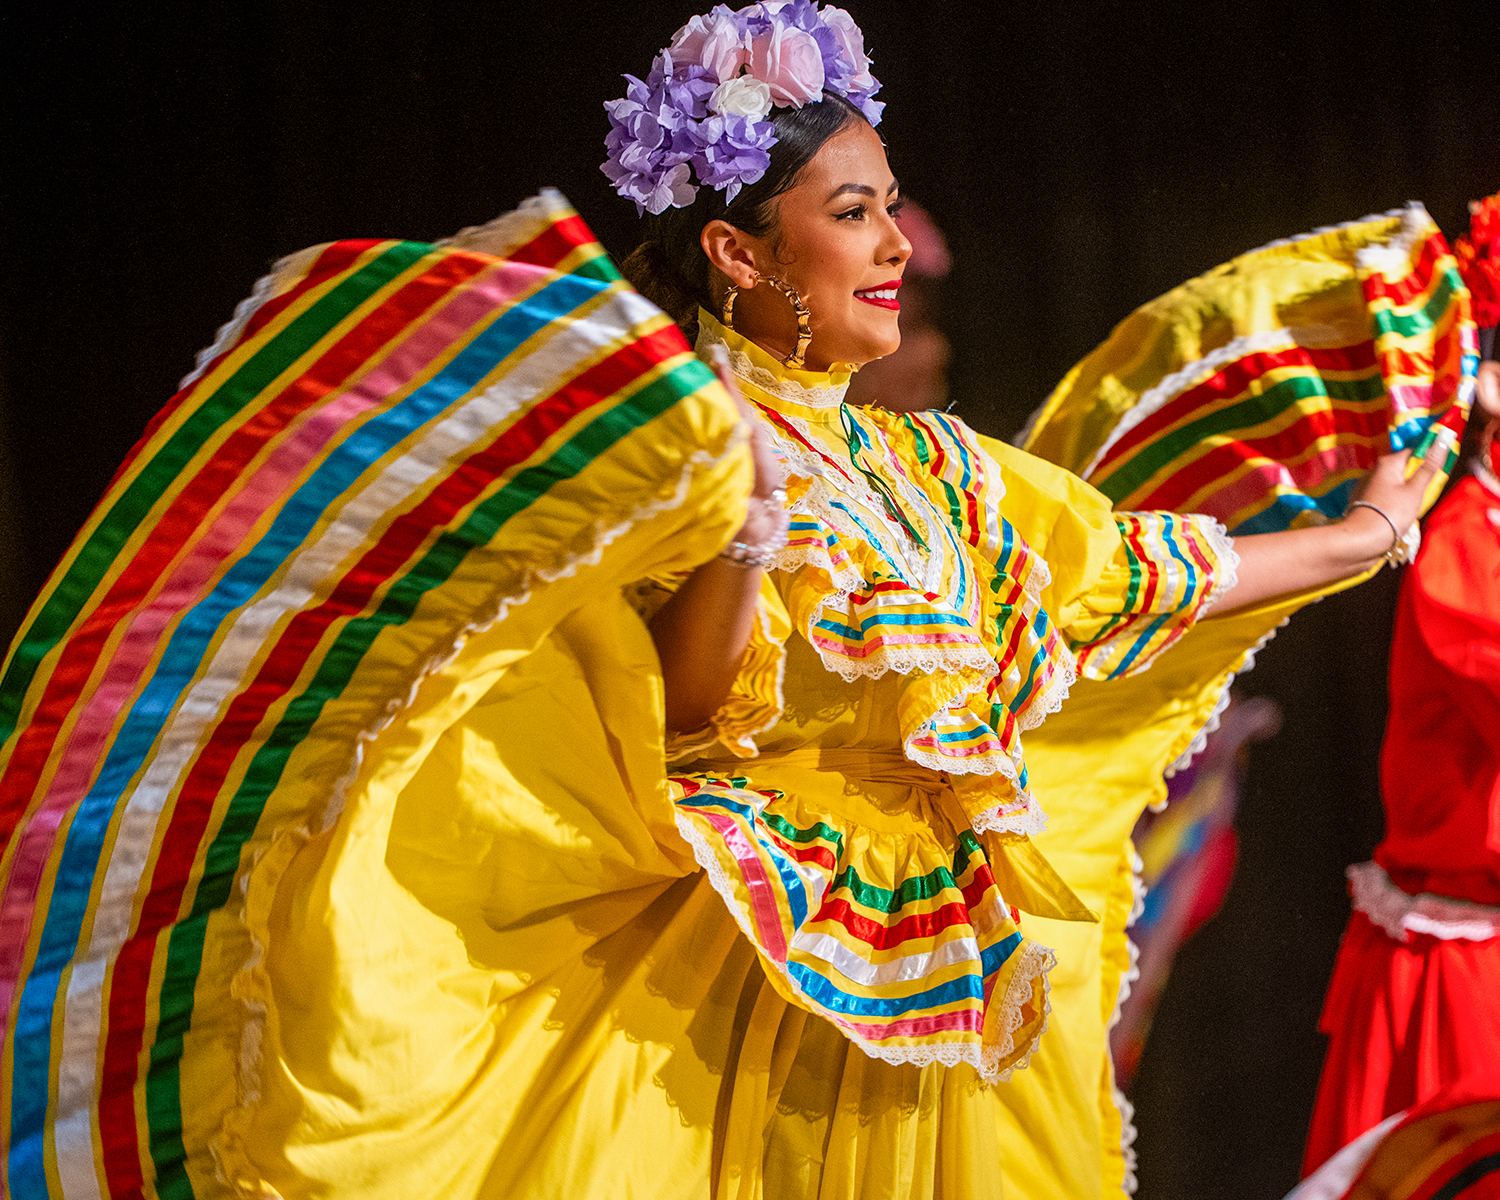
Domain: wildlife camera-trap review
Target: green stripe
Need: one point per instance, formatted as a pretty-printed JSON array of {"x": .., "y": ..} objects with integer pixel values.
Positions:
[
  {"x": 99, "y": 552},
  {"x": 185, "y": 945},
  {"x": 1410, "y": 324},
  {"x": 1243, "y": 415},
  {"x": 919, "y": 887}
]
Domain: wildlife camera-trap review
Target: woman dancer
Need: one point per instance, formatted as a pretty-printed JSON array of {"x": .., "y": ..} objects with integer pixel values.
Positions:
[
  {"x": 1411, "y": 1007},
  {"x": 396, "y": 854}
]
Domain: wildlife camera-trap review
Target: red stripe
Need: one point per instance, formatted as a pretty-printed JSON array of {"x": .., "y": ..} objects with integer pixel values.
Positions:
[
  {"x": 1416, "y": 281},
  {"x": 1231, "y": 383},
  {"x": 1150, "y": 569},
  {"x": 282, "y": 668},
  {"x": 555, "y": 243},
  {"x": 336, "y": 257},
  {"x": 775, "y": 418},
  {"x": 178, "y": 524},
  {"x": 1358, "y": 435}
]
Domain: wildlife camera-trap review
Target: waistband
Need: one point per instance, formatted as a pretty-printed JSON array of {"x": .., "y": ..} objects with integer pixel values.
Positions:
[
  {"x": 868, "y": 766},
  {"x": 1400, "y": 914}
]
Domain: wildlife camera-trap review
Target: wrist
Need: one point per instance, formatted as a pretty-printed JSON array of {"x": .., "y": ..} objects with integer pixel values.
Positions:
[
  {"x": 1371, "y": 533},
  {"x": 763, "y": 534}
]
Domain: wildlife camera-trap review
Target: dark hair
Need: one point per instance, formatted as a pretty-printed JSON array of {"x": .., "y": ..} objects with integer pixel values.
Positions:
[{"x": 669, "y": 267}]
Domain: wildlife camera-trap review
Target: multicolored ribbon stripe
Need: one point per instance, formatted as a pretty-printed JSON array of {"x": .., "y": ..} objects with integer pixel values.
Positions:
[
  {"x": 1279, "y": 433},
  {"x": 904, "y": 970},
  {"x": 321, "y": 480}
]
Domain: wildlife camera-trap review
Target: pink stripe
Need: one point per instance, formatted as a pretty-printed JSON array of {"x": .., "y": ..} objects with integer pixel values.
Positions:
[
  {"x": 88, "y": 742},
  {"x": 964, "y": 1020},
  {"x": 1411, "y": 397},
  {"x": 762, "y": 892}
]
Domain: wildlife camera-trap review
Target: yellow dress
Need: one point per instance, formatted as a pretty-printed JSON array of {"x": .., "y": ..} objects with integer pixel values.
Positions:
[
  {"x": 519, "y": 964},
  {"x": 343, "y": 852}
]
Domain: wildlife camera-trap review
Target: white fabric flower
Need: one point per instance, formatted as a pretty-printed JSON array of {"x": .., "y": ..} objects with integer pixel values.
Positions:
[{"x": 745, "y": 96}]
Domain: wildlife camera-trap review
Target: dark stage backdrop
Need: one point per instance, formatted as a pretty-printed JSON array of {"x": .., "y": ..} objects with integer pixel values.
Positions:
[{"x": 1082, "y": 157}]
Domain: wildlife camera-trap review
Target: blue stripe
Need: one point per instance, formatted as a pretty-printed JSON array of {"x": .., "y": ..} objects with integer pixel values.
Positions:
[
  {"x": 826, "y": 994},
  {"x": 796, "y": 889},
  {"x": 179, "y": 664}
]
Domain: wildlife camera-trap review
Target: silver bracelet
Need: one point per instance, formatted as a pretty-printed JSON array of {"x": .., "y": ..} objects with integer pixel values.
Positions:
[
  {"x": 1397, "y": 550},
  {"x": 762, "y": 554}
]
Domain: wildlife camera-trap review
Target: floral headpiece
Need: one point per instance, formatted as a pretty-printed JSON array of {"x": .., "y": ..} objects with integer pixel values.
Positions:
[
  {"x": 1478, "y": 262},
  {"x": 703, "y": 110}
]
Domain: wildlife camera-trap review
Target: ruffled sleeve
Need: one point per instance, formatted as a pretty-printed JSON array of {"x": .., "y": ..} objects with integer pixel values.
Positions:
[{"x": 1124, "y": 585}]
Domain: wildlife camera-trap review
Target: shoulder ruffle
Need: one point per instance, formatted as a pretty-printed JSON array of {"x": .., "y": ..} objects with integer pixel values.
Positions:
[{"x": 900, "y": 560}]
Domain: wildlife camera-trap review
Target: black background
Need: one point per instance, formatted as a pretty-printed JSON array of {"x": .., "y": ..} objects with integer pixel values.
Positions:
[{"x": 1081, "y": 157}]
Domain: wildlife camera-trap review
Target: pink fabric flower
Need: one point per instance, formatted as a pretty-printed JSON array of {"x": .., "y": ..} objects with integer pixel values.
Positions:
[
  {"x": 715, "y": 42},
  {"x": 790, "y": 61},
  {"x": 851, "y": 44}
]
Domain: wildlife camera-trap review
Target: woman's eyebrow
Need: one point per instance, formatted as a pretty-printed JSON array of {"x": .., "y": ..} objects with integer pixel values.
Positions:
[{"x": 859, "y": 189}]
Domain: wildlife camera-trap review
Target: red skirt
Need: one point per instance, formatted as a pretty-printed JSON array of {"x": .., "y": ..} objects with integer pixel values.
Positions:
[{"x": 1404, "y": 1019}]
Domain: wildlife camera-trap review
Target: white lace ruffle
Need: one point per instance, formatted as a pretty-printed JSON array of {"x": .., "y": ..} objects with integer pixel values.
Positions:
[
  {"x": 511, "y": 229},
  {"x": 1218, "y": 537},
  {"x": 819, "y": 396},
  {"x": 1400, "y": 914},
  {"x": 1035, "y": 960}
]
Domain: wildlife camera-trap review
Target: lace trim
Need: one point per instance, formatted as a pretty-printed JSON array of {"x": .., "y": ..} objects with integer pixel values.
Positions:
[
  {"x": 1390, "y": 214},
  {"x": 1035, "y": 960},
  {"x": 1199, "y": 741},
  {"x": 807, "y": 396},
  {"x": 1029, "y": 822},
  {"x": 1132, "y": 972},
  {"x": 511, "y": 229},
  {"x": 1052, "y": 698},
  {"x": 1394, "y": 258},
  {"x": 232, "y": 1165},
  {"x": 1229, "y": 577},
  {"x": 1029, "y": 428},
  {"x": 1400, "y": 914},
  {"x": 230, "y": 331}
]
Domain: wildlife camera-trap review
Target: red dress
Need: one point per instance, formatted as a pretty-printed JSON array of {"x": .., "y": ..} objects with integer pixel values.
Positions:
[{"x": 1414, "y": 1003}]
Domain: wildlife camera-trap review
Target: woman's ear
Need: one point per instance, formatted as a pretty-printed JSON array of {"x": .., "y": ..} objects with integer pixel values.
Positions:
[
  {"x": 730, "y": 251},
  {"x": 1487, "y": 388}
]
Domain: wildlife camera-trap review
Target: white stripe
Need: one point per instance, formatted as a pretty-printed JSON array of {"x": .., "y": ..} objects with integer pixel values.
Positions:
[
  {"x": 911, "y": 966},
  {"x": 311, "y": 570}
]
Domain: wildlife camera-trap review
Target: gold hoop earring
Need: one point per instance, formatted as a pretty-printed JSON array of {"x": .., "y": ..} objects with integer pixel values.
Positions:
[
  {"x": 726, "y": 315},
  {"x": 804, "y": 317},
  {"x": 804, "y": 322}
]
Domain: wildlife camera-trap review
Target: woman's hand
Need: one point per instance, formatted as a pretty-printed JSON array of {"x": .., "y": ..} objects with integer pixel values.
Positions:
[{"x": 1277, "y": 564}]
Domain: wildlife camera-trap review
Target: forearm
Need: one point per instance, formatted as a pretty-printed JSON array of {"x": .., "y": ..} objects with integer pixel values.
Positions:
[
  {"x": 1277, "y": 564},
  {"x": 700, "y": 635}
]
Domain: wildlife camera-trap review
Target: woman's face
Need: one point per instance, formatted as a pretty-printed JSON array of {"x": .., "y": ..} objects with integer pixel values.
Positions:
[{"x": 837, "y": 243}]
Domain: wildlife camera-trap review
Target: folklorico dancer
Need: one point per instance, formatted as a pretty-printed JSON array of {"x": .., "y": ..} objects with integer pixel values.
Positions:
[
  {"x": 1411, "y": 1009},
  {"x": 473, "y": 750}
]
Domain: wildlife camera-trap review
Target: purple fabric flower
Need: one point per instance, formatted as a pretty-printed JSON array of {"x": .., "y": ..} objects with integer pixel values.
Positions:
[{"x": 667, "y": 129}]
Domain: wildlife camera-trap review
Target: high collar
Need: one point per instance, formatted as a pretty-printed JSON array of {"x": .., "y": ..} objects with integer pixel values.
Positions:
[{"x": 766, "y": 379}]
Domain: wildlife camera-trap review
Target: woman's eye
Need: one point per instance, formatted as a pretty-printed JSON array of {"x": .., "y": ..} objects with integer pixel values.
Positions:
[
  {"x": 893, "y": 210},
  {"x": 852, "y": 214}
]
